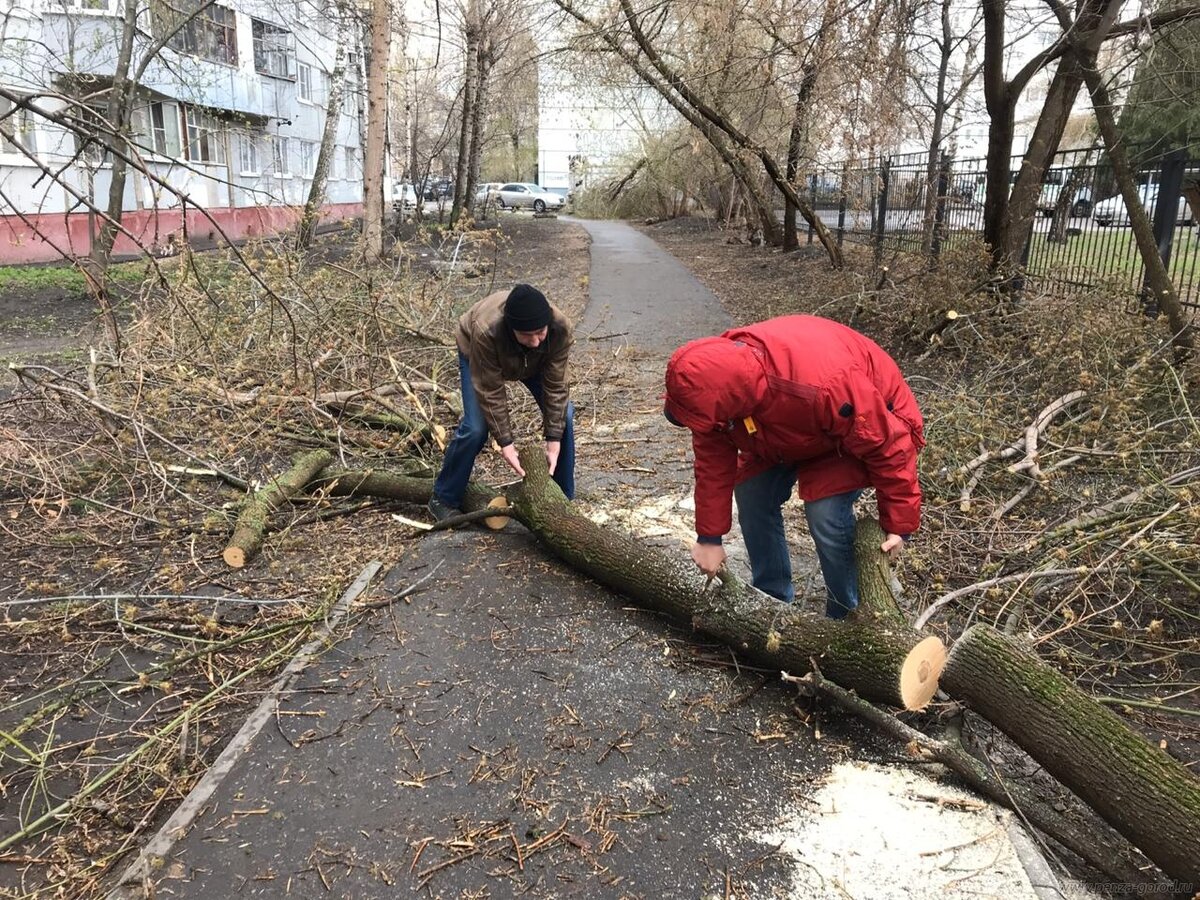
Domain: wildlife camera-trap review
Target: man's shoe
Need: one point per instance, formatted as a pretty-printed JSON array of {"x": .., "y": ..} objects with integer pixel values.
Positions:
[{"x": 441, "y": 511}]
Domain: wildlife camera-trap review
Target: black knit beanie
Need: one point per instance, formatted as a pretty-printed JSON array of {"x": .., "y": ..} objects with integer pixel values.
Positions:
[{"x": 526, "y": 309}]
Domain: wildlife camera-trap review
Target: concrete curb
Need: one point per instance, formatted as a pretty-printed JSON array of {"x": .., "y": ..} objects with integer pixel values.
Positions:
[{"x": 133, "y": 881}]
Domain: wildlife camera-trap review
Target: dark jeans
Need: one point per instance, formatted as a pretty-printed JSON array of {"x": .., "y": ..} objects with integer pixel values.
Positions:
[
  {"x": 472, "y": 434},
  {"x": 830, "y": 521}
]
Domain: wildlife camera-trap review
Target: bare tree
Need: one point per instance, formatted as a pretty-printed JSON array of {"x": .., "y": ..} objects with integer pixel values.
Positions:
[{"x": 333, "y": 109}]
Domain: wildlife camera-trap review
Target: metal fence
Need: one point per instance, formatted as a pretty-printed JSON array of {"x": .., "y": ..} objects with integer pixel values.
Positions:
[{"x": 1080, "y": 239}]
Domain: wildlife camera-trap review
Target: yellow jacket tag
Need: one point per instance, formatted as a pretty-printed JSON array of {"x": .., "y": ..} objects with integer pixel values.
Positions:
[{"x": 751, "y": 428}]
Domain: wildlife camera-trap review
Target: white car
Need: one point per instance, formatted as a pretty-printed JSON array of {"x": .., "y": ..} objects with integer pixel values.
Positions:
[
  {"x": 404, "y": 196},
  {"x": 522, "y": 194},
  {"x": 1081, "y": 203},
  {"x": 1113, "y": 212}
]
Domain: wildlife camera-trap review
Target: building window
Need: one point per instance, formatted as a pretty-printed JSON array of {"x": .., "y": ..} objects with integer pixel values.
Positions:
[
  {"x": 16, "y": 128},
  {"x": 248, "y": 153},
  {"x": 274, "y": 49},
  {"x": 88, "y": 5},
  {"x": 205, "y": 136},
  {"x": 197, "y": 28},
  {"x": 304, "y": 82},
  {"x": 351, "y": 163},
  {"x": 164, "y": 129},
  {"x": 280, "y": 164},
  {"x": 91, "y": 133},
  {"x": 308, "y": 158}
]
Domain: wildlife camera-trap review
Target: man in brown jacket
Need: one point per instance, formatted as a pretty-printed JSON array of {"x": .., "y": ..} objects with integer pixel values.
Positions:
[{"x": 512, "y": 335}]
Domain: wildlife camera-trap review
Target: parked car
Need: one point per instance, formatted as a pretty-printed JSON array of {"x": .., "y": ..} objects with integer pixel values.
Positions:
[
  {"x": 1081, "y": 205},
  {"x": 404, "y": 196},
  {"x": 1113, "y": 212},
  {"x": 486, "y": 192},
  {"x": 523, "y": 194},
  {"x": 438, "y": 187}
]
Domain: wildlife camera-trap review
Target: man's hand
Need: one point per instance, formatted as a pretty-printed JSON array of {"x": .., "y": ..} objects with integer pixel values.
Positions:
[
  {"x": 552, "y": 450},
  {"x": 892, "y": 545},
  {"x": 509, "y": 452},
  {"x": 709, "y": 557}
]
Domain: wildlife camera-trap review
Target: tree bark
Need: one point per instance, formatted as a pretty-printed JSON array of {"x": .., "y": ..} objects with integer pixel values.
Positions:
[
  {"x": 1144, "y": 793},
  {"x": 470, "y": 85},
  {"x": 373, "y": 161},
  {"x": 256, "y": 512},
  {"x": 333, "y": 108},
  {"x": 119, "y": 121},
  {"x": 483, "y": 74},
  {"x": 867, "y": 655}
]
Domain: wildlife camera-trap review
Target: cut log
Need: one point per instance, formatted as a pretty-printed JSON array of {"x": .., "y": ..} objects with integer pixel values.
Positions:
[
  {"x": 1144, "y": 793},
  {"x": 256, "y": 511},
  {"x": 866, "y": 654},
  {"x": 393, "y": 486}
]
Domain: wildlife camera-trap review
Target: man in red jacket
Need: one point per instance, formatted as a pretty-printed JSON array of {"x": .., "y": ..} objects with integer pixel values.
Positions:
[{"x": 797, "y": 400}]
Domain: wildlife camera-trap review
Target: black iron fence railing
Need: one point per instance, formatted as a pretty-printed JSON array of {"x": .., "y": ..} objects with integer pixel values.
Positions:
[{"x": 1080, "y": 239}]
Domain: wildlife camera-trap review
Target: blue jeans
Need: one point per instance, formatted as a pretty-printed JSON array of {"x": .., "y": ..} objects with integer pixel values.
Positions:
[
  {"x": 830, "y": 521},
  {"x": 472, "y": 434}
]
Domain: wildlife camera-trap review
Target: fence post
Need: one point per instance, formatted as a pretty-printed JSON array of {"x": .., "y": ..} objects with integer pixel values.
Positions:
[
  {"x": 841, "y": 228},
  {"x": 1170, "y": 189},
  {"x": 885, "y": 169},
  {"x": 939, "y": 215},
  {"x": 812, "y": 203}
]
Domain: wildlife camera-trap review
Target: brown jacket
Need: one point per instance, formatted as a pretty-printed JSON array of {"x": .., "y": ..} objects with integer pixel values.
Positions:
[{"x": 496, "y": 357}]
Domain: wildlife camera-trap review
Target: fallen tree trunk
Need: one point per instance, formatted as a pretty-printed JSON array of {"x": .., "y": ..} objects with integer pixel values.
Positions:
[
  {"x": 1143, "y": 792},
  {"x": 256, "y": 511},
  {"x": 392, "y": 486},
  {"x": 868, "y": 655}
]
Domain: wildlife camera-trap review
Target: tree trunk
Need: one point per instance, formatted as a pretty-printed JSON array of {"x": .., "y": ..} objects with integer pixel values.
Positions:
[
  {"x": 1144, "y": 793},
  {"x": 255, "y": 516},
  {"x": 119, "y": 123},
  {"x": 868, "y": 655},
  {"x": 381, "y": 41},
  {"x": 484, "y": 71},
  {"x": 470, "y": 85},
  {"x": 1159, "y": 280},
  {"x": 333, "y": 107},
  {"x": 940, "y": 105},
  {"x": 1063, "y": 205}
]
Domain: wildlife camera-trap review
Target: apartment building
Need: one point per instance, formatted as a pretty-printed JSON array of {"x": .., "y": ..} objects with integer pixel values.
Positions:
[{"x": 229, "y": 112}]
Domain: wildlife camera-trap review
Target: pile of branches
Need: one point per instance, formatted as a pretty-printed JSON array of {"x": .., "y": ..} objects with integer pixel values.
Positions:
[{"x": 122, "y": 477}]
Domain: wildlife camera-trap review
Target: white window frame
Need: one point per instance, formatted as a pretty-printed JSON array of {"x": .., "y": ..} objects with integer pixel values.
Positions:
[
  {"x": 308, "y": 158},
  {"x": 101, "y": 7},
  {"x": 166, "y": 138},
  {"x": 249, "y": 162},
  {"x": 92, "y": 153},
  {"x": 274, "y": 49},
  {"x": 204, "y": 137},
  {"x": 281, "y": 164},
  {"x": 304, "y": 83},
  {"x": 210, "y": 35},
  {"x": 351, "y": 157},
  {"x": 17, "y": 129}
]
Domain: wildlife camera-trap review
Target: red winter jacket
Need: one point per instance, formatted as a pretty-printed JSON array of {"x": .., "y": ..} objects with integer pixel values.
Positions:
[{"x": 802, "y": 390}]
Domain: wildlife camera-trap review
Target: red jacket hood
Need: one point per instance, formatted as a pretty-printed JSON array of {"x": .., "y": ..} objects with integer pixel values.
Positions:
[{"x": 712, "y": 381}]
